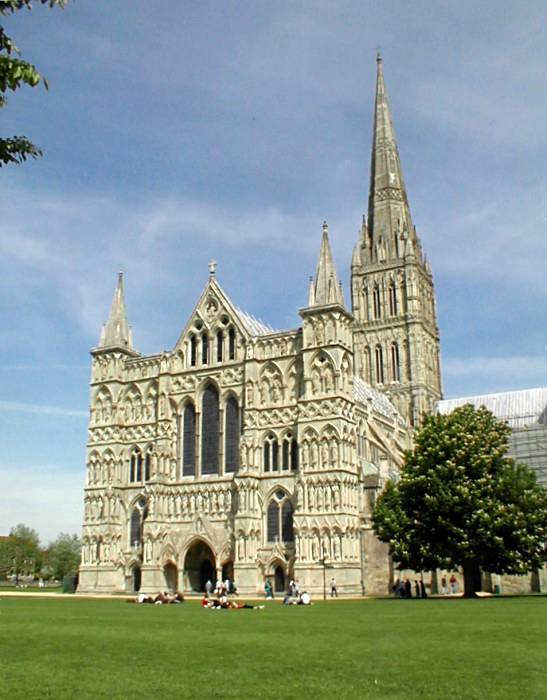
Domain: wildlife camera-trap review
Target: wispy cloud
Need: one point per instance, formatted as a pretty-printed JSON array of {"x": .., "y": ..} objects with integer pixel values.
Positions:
[
  {"x": 17, "y": 406},
  {"x": 43, "y": 497}
]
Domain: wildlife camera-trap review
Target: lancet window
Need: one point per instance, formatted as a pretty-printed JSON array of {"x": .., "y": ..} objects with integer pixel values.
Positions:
[
  {"x": 138, "y": 516},
  {"x": 220, "y": 346},
  {"x": 289, "y": 456},
  {"x": 395, "y": 364},
  {"x": 193, "y": 350},
  {"x": 393, "y": 303},
  {"x": 209, "y": 430},
  {"x": 148, "y": 463},
  {"x": 135, "y": 466},
  {"x": 231, "y": 436},
  {"x": 376, "y": 302},
  {"x": 271, "y": 454},
  {"x": 280, "y": 518},
  {"x": 204, "y": 349},
  {"x": 231, "y": 344},
  {"x": 189, "y": 440},
  {"x": 379, "y": 365}
]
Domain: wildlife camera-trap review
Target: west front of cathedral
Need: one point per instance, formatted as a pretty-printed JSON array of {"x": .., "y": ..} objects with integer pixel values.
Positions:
[{"x": 254, "y": 454}]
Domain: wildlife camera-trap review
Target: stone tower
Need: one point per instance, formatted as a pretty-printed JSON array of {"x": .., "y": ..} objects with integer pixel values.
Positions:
[{"x": 396, "y": 335}]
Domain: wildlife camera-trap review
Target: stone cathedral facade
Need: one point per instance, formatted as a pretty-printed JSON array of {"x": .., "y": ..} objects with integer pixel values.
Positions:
[{"x": 257, "y": 454}]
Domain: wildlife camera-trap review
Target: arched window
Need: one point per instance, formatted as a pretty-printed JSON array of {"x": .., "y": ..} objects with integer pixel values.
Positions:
[
  {"x": 392, "y": 299},
  {"x": 135, "y": 467},
  {"x": 189, "y": 441},
  {"x": 273, "y": 521},
  {"x": 231, "y": 344},
  {"x": 271, "y": 454},
  {"x": 148, "y": 463},
  {"x": 193, "y": 350},
  {"x": 220, "y": 346},
  {"x": 231, "y": 436},
  {"x": 136, "y": 530},
  {"x": 289, "y": 457},
  {"x": 379, "y": 365},
  {"x": 280, "y": 518},
  {"x": 138, "y": 516},
  {"x": 287, "y": 530},
  {"x": 209, "y": 431},
  {"x": 395, "y": 364},
  {"x": 377, "y": 306},
  {"x": 204, "y": 349}
]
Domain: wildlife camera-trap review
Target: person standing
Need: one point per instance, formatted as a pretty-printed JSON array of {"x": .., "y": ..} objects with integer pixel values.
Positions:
[
  {"x": 422, "y": 588},
  {"x": 408, "y": 588},
  {"x": 416, "y": 588},
  {"x": 453, "y": 584},
  {"x": 333, "y": 589},
  {"x": 208, "y": 588}
]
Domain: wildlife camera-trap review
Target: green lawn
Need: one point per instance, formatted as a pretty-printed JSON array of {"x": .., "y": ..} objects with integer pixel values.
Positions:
[{"x": 431, "y": 649}]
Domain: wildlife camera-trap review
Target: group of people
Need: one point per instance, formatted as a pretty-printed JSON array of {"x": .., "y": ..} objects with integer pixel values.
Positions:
[
  {"x": 222, "y": 588},
  {"x": 162, "y": 598},
  {"x": 224, "y": 603},
  {"x": 403, "y": 589},
  {"x": 294, "y": 596},
  {"x": 453, "y": 581}
]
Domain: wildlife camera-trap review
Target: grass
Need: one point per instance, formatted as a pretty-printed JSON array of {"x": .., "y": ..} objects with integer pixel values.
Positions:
[{"x": 396, "y": 649}]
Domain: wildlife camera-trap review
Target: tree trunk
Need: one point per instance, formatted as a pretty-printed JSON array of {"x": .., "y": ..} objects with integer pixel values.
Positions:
[{"x": 471, "y": 579}]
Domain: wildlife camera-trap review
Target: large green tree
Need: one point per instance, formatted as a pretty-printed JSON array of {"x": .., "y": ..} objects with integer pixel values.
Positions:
[
  {"x": 20, "y": 551},
  {"x": 63, "y": 555},
  {"x": 14, "y": 73},
  {"x": 461, "y": 502}
]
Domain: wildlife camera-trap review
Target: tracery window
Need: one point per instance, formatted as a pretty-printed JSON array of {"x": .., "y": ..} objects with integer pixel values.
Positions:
[
  {"x": 135, "y": 466},
  {"x": 271, "y": 454},
  {"x": 379, "y": 365},
  {"x": 279, "y": 519},
  {"x": 209, "y": 430},
  {"x": 231, "y": 436},
  {"x": 189, "y": 440}
]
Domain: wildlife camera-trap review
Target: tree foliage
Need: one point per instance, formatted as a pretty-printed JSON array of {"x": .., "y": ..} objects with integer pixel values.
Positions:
[
  {"x": 14, "y": 74},
  {"x": 20, "y": 552},
  {"x": 63, "y": 555},
  {"x": 461, "y": 502}
]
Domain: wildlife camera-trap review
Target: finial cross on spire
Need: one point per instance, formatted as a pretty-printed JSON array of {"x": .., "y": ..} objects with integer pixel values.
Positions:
[{"x": 212, "y": 268}]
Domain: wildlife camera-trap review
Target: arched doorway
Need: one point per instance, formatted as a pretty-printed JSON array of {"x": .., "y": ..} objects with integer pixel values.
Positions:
[
  {"x": 136, "y": 579},
  {"x": 199, "y": 566},
  {"x": 279, "y": 579},
  {"x": 170, "y": 575}
]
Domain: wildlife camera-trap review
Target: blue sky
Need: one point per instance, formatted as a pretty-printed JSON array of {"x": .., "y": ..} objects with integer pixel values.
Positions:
[{"x": 179, "y": 131}]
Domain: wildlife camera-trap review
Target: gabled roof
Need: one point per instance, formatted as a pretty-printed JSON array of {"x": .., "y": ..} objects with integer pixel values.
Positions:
[
  {"x": 247, "y": 324},
  {"x": 518, "y": 408}
]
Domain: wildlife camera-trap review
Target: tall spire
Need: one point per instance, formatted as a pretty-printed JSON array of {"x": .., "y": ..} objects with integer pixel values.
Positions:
[
  {"x": 327, "y": 289},
  {"x": 116, "y": 331},
  {"x": 389, "y": 217}
]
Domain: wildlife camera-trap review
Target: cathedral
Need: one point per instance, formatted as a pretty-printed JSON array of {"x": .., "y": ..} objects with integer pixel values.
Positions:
[{"x": 254, "y": 454}]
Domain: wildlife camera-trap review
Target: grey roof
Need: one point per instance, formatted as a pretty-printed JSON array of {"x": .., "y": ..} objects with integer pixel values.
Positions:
[
  {"x": 253, "y": 325},
  {"x": 364, "y": 392},
  {"x": 518, "y": 408}
]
